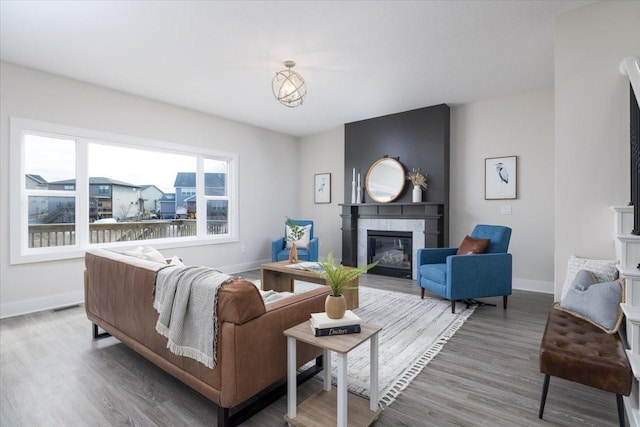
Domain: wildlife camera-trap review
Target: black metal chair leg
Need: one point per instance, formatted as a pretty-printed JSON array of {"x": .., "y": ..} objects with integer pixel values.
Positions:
[
  {"x": 620, "y": 404},
  {"x": 543, "y": 399},
  {"x": 97, "y": 334}
]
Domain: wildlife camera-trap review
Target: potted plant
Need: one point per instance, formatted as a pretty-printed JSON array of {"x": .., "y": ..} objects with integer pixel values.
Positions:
[
  {"x": 294, "y": 234},
  {"x": 419, "y": 181},
  {"x": 337, "y": 277}
]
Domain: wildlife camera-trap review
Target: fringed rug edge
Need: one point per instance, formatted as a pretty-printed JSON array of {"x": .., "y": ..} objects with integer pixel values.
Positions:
[{"x": 410, "y": 374}]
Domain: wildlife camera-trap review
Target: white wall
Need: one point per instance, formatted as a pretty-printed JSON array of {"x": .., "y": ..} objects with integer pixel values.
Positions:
[
  {"x": 323, "y": 153},
  {"x": 591, "y": 127},
  {"x": 519, "y": 126},
  {"x": 267, "y": 164}
]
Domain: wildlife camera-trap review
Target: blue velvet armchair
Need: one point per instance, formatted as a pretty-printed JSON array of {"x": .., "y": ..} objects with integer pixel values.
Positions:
[
  {"x": 465, "y": 277},
  {"x": 280, "y": 252}
]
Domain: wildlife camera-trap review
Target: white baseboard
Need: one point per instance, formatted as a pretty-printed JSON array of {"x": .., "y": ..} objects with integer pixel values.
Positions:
[
  {"x": 51, "y": 302},
  {"x": 48, "y": 302},
  {"x": 631, "y": 407},
  {"x": 245, "y": 266},
  {"x": 533, "y": 285}
]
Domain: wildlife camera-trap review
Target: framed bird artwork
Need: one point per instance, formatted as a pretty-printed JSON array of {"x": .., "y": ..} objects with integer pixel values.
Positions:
[
  {"x": 500, "y": 178},
  {"x": 322, "y": 188}
]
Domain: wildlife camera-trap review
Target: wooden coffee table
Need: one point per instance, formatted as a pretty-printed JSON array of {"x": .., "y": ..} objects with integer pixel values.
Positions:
[{"x": 279, "y": 277}]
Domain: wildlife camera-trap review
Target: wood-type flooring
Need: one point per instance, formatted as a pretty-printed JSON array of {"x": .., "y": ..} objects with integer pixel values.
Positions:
[{"x": 54, "y": 374}]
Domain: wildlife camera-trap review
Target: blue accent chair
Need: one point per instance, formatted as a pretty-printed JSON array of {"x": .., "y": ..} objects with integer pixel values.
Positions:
[
  {"x": 279, "y": 251},
  {"x": 464, "y": 277}
]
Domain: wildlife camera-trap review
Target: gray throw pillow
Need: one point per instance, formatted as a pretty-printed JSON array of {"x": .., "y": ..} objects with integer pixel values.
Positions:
[
  {"x": 583, "y": 280},
  {"x": 604, "y": 270},
  {"x": 598, "y": 303}
]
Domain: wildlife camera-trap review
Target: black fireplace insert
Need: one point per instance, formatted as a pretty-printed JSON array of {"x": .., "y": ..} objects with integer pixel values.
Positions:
[{"x": 393, "y": 251}]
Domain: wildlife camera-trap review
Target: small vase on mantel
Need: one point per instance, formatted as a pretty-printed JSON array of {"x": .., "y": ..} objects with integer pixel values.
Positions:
[{"x": 417, "y": 194}]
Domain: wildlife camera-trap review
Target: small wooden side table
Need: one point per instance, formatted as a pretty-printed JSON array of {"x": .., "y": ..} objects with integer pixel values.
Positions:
[{"x": 319, "y": 410}]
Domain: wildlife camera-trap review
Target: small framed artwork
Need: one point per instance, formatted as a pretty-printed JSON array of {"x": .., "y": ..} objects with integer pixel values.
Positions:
[
  {"x": 322, "y": 188},
  {"x": 500, "y": 178}
]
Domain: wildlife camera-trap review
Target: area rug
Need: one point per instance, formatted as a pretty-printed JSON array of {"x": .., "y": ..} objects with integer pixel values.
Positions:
[{"x": 413, "y": 332}]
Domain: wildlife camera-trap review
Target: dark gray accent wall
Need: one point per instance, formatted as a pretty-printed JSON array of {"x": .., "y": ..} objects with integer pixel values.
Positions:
[{"x": 417, "y": 138}]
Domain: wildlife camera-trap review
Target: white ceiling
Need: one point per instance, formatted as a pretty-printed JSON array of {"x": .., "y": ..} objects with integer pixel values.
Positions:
[{"x": 360, "y": 59}]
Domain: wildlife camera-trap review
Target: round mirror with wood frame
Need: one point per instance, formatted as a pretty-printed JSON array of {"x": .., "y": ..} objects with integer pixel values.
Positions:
[{"x": 385, "y": 180}]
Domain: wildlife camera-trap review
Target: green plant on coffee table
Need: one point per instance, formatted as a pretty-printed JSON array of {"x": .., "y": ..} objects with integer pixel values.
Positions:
[{"x": 337, "y": 275}]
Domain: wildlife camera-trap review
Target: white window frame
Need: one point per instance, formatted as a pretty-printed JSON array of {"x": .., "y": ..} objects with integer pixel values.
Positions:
[{"x": 19, "y": 248}]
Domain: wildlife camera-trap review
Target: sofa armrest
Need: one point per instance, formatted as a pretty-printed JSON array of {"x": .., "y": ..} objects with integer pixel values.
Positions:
[
  {"x": 479, "y": 275},
  {"x": 313, "y": 249},
  {"x": 239, "y": 302},
  {"x": 276, "y": 246},
  {"x": 253, "y": 355},
  {"x": 434, "y": 255}
]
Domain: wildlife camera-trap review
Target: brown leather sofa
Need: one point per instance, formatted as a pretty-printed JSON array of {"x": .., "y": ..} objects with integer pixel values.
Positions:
[{"x": 251, "y": 349}]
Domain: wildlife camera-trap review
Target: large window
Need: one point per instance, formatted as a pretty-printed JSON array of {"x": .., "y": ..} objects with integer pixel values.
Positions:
[{"x": 81, "y": 189}]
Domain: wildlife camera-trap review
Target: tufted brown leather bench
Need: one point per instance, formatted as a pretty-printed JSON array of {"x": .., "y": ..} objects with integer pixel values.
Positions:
[{"x": 578, "y": 351}]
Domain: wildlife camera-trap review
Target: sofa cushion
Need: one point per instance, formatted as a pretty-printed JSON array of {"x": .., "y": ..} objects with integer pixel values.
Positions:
[
  {"x": 434, "y": 272},
  {"x": 147, "y": 252},
  {"x": 239, "y": 301},
  {"x": 473, "y": 246}
]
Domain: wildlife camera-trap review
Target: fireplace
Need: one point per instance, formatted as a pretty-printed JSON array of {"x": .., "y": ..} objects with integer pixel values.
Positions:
[
  {"x": 392, "y": 250},
  {"x": 426, "y": 221}
]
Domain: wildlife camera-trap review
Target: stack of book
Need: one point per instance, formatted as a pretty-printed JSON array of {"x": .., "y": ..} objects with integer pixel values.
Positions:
[{"x": 322, "y": 326}]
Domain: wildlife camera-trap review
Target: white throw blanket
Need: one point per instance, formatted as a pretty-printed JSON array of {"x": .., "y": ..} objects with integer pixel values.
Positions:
[{"x": 186, "y": 299}]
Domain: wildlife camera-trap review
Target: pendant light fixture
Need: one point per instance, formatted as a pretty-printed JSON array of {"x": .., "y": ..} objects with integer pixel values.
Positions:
[{"x": 289, "y": 87}]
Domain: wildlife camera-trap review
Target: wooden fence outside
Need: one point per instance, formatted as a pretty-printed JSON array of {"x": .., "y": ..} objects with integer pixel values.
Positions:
[{"x": 46, "y": 235}]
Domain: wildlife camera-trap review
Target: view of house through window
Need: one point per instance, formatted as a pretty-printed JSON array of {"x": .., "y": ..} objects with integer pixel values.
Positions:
[
  {"x": 216, "y": 194},
  {"x": 51, "y": 195},
  {"x": 132, "y": 193}
]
